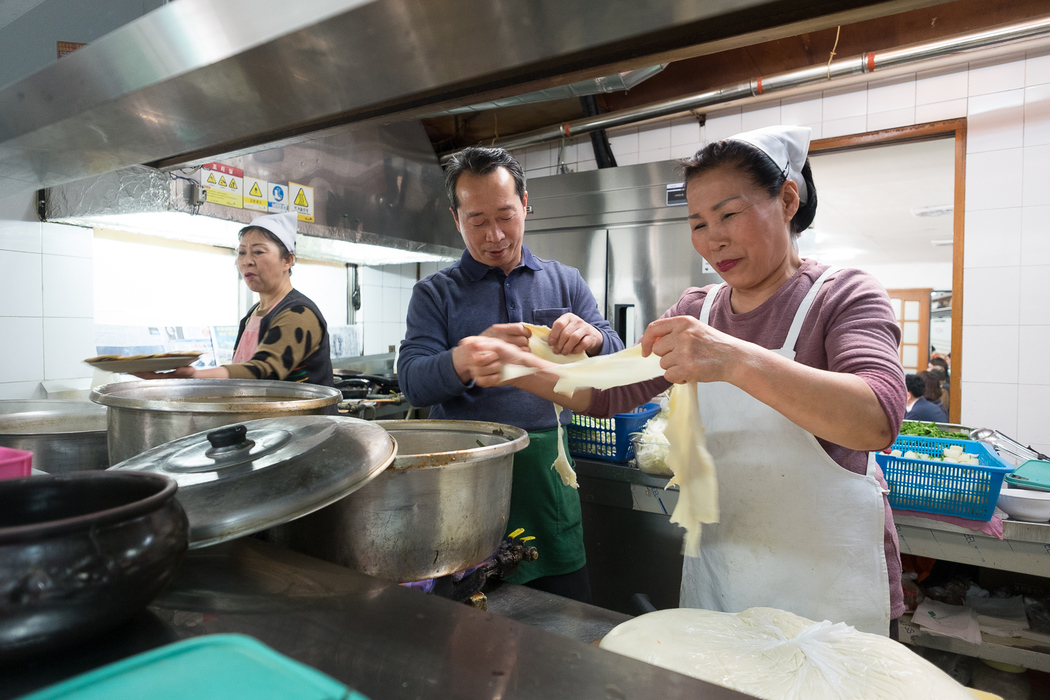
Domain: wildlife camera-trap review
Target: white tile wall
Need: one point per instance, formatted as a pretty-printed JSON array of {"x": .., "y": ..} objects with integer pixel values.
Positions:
[
  {"x": 992, "y": 297},
  {"x": 840, "y": 103},
  {"x": 941, "y": 85},
  {"x": 21, "y": 288},
  {"x": 991, "y": 352},
  {"x": 1036, "y": 174},
  {"x": 1037, "y": 115},
  {"x": 891, "y": 94},
  {"x": 1035, "y": 235},
  {"x": 989, "y": 405},
  {"x": 20, "y": 236},
  {"x": 22, "y": 390},
  {"x": 1034, "y": 290},
  {"x": 385, "y": 293},
  {"x": 994, "y": 179},
  {"x": 722, "y": 124},
  {"x": 1032, "y": 359},
  {"x": 1037, "y": 67},
  {"x": 23, "y": 349},
  {"x": 993, "y": 238},
  {"x": 758, "y": 116},
  {"x": 59, "y": 239},
  {"x": 68, "y": 286},
  {"x": 995, "y": 121},
  {"x": 996, "y": 75},
  {"x": 67, "y": 341},
  {"x": 939, "y": 111},
  {"x": 1032, "y": 402}
]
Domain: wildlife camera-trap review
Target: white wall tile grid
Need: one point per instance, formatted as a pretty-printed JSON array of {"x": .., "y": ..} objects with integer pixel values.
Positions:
[{"x": 1007, "y": 267}]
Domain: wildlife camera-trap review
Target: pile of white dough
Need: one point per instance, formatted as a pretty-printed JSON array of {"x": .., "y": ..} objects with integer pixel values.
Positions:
[
  {"x": 778, "y": 655},
  {"x": 688, "y": 458}
]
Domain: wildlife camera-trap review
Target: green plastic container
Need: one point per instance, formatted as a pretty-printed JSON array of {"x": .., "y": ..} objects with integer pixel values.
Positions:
[
  {"x": 1033, "y": 474},
  {"x": 220, "y": 666}
]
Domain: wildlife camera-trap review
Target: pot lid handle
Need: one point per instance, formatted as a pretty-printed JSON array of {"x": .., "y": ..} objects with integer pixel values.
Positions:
[{"x": 228, "y": 439}]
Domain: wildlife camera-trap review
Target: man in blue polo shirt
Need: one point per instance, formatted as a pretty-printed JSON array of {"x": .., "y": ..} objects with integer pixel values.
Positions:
[{"x": 494, "y": 288}]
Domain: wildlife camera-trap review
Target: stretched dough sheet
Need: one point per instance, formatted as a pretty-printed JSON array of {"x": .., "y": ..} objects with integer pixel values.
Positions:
[{"x": 694, "y": 470}]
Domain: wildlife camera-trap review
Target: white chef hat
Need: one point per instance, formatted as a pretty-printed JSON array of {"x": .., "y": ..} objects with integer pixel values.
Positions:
[
  {"x": 282, "y": 225},
  {"x": 787, "y": 146}
]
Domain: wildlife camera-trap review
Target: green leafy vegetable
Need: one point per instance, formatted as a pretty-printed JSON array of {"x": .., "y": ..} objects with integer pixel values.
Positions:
[{"x": 930, "y": 430}]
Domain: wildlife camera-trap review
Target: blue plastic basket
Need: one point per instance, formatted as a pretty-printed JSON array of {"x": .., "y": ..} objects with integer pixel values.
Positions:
[
  {"x": 608, "y": 438},
  {"x": 929, "y": 486}
]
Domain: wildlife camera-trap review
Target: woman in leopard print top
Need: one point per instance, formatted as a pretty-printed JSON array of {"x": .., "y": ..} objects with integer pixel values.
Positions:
[{"x": 284, "y": 336}]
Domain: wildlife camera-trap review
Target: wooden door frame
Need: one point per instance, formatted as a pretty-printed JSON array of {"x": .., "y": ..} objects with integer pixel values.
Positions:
[{"x": 949, "y": 128}]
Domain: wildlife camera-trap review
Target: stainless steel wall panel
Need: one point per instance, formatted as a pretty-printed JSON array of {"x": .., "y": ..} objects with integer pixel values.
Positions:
[
  {"x": 582, "y": 249},
  {"x": 650, "y": 267}
]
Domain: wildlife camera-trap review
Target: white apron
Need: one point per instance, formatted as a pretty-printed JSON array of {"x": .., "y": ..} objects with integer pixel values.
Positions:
[{"x": 797, "y": 531}]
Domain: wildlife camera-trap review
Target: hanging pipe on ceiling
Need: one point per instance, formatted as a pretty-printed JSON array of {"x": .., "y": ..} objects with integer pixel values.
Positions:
[{"x": 868, "y": 62}]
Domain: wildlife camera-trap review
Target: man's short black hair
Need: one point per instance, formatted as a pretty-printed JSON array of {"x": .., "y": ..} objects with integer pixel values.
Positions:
[{"x": 477, "y": 160}]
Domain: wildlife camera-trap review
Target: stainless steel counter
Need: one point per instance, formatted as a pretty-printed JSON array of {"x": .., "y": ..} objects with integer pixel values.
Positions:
[{"x": 381, "y": 639}]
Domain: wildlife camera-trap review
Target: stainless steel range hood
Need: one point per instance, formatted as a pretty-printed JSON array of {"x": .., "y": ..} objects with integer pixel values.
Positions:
[
  {"x": 378, "y": 194},
  {"x": 198, "y": 78}
]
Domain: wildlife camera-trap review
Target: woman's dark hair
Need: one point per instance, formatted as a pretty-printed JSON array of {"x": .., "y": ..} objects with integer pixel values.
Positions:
[
  {"x": 760, "y": 168},
  {"x": 477, "y": 160},
  {"x": 941, "y": 363},
  {"x": 282, "y": 249},
  {"x": 916, "y": 385},
  {"x": 932, "y": 383}
]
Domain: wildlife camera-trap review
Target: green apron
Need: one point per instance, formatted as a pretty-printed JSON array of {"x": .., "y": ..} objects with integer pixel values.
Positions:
[{"x": 546, "y": 509}]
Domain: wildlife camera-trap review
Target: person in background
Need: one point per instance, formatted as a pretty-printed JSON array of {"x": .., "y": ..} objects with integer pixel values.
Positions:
[
  {"x": 799, "y": 380},
  {"x": 496, "y": 286},
  {"x": 283, "y": 336},
  {"x": 939, "y": 365},
  {"x": 918, "y": 406}
]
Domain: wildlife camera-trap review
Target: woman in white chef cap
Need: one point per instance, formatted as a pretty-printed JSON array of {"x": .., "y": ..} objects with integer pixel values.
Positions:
[
  {"x": 799, "y": 379},
  {"x": 284, "y": 336}
]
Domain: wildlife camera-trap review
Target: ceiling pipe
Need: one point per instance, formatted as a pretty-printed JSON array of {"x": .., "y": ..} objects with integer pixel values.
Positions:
[{"x": 763, "y": 85}]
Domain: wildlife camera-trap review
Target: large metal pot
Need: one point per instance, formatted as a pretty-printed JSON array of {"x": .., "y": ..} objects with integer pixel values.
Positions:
[
  {"x": 82, "y": 552},
  {"x": 150, "y": 413},
  {"x": 63, "y": 435},
  {"x": 441, "y": 507}
]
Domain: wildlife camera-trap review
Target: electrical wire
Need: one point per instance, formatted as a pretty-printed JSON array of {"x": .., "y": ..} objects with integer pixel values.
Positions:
[{"x": 836, "y": 45}]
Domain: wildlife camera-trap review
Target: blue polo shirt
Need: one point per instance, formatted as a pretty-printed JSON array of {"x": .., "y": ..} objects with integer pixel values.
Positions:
[{"x": 463, "y": 300}]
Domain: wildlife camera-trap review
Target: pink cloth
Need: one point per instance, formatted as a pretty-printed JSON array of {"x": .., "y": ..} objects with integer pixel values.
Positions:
[
  {"x": 993, "y": 527},
  {"x": 851, "y": 328},
  {"x": 245, "y": 349}
]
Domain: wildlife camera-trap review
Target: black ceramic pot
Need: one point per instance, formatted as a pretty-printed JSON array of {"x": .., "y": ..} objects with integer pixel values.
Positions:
[{"x": 82, "y": 552}]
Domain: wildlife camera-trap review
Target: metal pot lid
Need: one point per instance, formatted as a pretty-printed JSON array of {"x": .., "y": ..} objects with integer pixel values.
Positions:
[
  {"x": 50, "y": 417},
  {"x": 251, "y": 476}
]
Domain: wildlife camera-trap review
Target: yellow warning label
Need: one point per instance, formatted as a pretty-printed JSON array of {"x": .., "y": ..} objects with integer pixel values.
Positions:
[
  {"x": 225, "y": 198},
  {"x": 302, "y": 201},
  {"x": 222, "y": 182},
  {"x": 255, "y": 193},
  {"x": 233, "y": 183},
  {"x": 211, "y": 178}
]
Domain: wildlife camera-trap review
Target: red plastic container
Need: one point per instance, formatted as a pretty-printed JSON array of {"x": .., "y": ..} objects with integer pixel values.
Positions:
[{"x": 15, "y": 463}]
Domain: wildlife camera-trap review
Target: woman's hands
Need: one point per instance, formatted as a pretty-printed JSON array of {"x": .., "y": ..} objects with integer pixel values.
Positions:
[{"x": 691, "y": 351}]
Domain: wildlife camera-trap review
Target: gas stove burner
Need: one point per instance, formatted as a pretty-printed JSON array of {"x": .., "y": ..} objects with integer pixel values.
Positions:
[{"x": 465, "y": 586}]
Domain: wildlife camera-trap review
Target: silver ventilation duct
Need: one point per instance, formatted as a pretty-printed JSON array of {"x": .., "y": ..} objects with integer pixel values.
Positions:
[{"x": 196, "y": 78}]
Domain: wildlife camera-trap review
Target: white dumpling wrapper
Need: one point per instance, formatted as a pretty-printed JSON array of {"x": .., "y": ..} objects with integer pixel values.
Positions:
[{"x": 772, "y": 653}]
